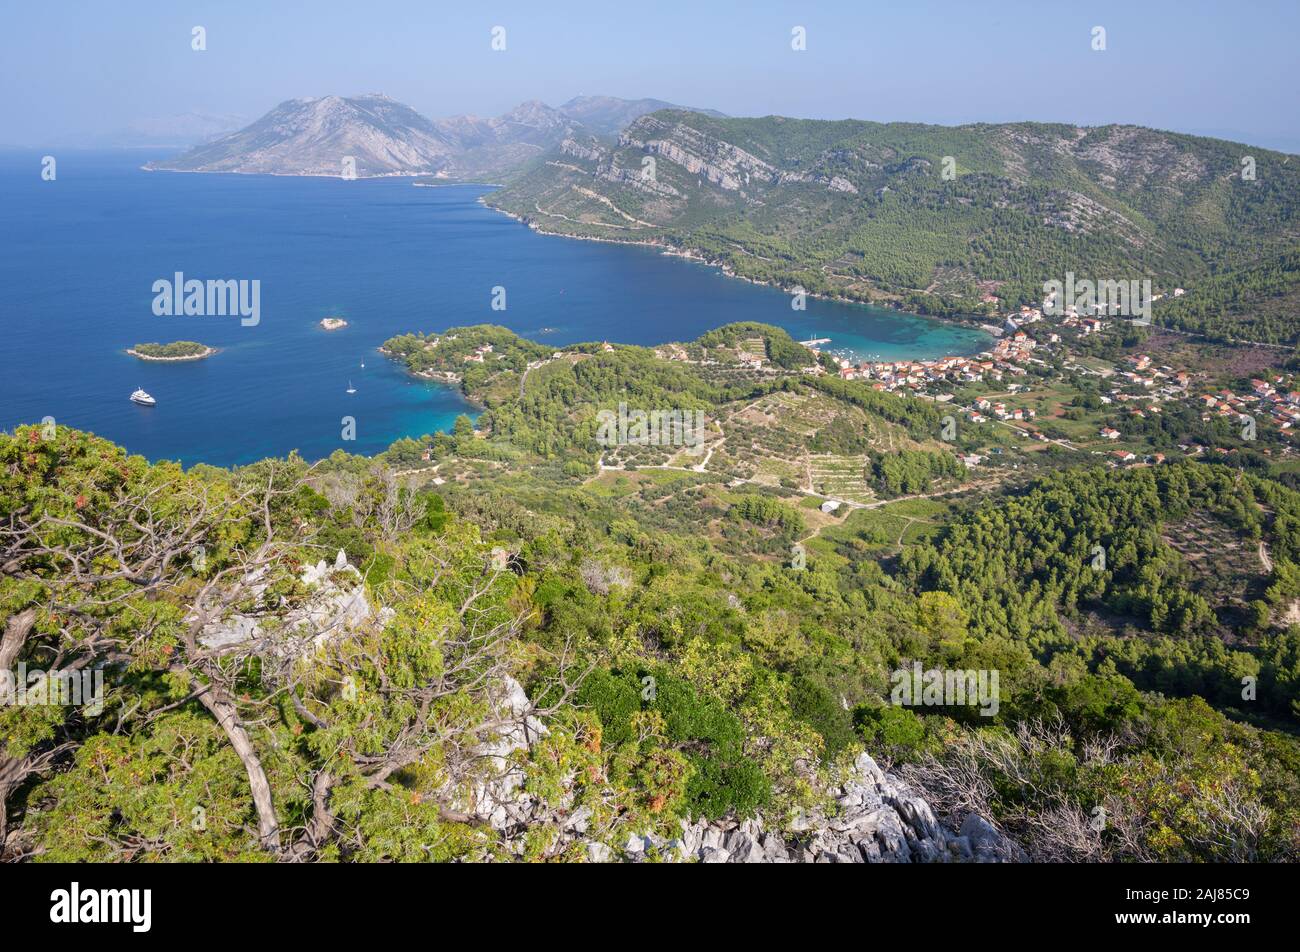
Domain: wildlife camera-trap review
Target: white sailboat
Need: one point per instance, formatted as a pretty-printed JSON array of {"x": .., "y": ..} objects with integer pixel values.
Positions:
[
  {"x": 143, "y": 398},
  {"x": 351, "y": 389}
]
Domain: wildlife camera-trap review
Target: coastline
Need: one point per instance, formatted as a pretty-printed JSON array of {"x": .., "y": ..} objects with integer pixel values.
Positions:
[
  {"x": 699, "y": 257},
  {"x": 443, "y": 378}
]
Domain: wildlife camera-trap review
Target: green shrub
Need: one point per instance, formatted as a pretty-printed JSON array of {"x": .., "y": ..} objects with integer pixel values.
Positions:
[
  {"x": 723, "y": 780},
  {"x": 814, "y": 704},
  {"x": 894, "y": 729}
]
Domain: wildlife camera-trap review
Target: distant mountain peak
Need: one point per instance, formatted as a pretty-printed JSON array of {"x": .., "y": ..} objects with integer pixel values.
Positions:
[
  {"x": 374, "y": 134},
  {"x": 381, "y": 136}
]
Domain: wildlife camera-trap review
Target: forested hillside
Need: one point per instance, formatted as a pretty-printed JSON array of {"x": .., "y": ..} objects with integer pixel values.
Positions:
[
  {"x": 934, "y": 217},
  {"x": 1259, "y": 301}
]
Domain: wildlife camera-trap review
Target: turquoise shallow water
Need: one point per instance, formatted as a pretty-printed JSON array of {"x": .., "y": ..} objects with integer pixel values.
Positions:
[{"x": 81, "y": 254}]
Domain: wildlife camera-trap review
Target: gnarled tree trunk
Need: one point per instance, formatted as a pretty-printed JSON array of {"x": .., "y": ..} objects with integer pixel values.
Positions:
[
  {"x": 13, "y": 770},
  {"x": 223, "y": 709}
]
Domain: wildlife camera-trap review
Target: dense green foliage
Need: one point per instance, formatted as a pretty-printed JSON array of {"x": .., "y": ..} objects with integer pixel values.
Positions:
[
  {"x": 1259, "y": 302},
  {"x": 912, "y": 471},
  {"x": 722, "y": 780},
  {"x": 1027, "y": 568},
  {"x": 178, "y": 348}
]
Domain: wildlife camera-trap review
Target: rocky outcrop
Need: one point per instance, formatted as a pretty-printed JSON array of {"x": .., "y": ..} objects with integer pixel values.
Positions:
[
  {"x": 336, "y": 603},
  {"x": 872, "y": 817},
  {"x": 877, "y": 818},
  {"x": 500, "y": 801},
  {"x": 718, "y": 162},
  {"x": 589, "y": 152}
]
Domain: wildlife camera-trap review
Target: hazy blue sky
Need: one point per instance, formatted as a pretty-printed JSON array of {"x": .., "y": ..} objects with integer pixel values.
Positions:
[{"x": 73, "y": 70}]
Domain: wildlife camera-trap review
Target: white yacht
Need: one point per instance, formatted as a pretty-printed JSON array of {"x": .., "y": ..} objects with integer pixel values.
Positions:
[
  {"x": 142, "y": 398},
  {"x": 351, "y": 389}
]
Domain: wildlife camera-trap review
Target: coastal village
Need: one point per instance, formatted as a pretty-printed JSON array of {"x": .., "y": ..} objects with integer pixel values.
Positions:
[{"x": 1027, "y": 341}]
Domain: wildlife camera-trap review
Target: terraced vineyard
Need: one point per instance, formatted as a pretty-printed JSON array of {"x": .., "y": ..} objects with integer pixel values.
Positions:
[
  {"x": 806, "y": 441},
  {"x": 840, "y": 477},
  {"x": 764, "y": 440}
]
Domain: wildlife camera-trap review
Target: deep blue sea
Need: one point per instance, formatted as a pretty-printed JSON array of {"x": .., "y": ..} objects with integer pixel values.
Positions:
[{"x": 81, "y": 254}]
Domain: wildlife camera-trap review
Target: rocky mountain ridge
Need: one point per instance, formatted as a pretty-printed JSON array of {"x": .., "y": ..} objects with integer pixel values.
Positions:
[
  {"x": 368, "y": 135},
  {"x": 374, "y": 135},
  {"x": 717, "y": 162}
]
